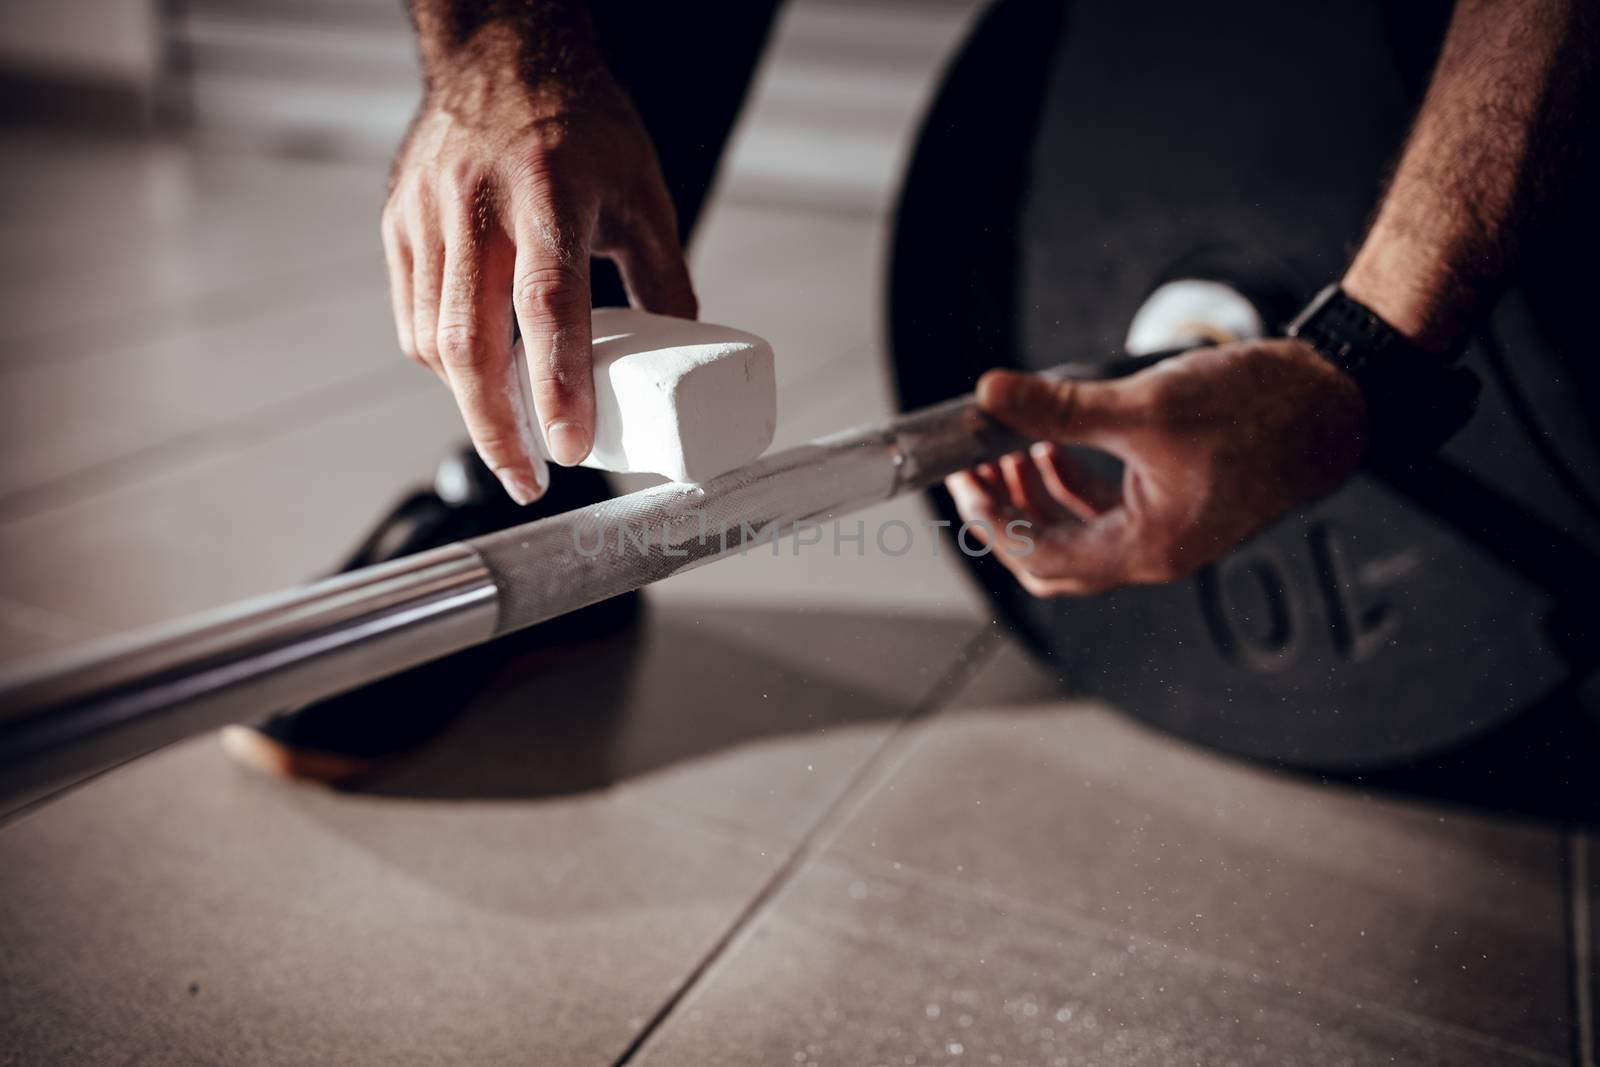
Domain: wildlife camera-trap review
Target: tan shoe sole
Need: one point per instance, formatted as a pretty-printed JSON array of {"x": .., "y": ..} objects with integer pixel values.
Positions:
[{"x": 252, "y": 749}]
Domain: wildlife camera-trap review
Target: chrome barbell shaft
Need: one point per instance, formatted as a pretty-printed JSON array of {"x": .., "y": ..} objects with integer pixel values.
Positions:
[{"x": 72, "y": 715}]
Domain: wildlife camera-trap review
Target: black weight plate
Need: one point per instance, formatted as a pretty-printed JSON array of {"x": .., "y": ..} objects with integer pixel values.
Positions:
[{"x": 1077, "y": 156}]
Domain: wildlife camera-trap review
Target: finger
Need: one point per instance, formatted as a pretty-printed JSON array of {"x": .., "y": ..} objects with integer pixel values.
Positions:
[
  {"x": 988, "y": 475},
  {"x": 654, "y": 270},
  {"x": 1048, "y": 558},
  {"x": 1026, "y": 489},
  {"x": 656, "y": 276},
  {"x": 397, "y": 257},
  {"x": 977, "y": 507},
  {"x": 474, "y": 339},
  {"x": 1083, "y": 558},
  {"x": 1082, "y": 491},
  {"x": 972, "y": 497},
  {"x": 1093, "y": 413},
  {"x": 427, "y": 282},
  {"x": 987, "y": 514},
  {"x": 551, "y": 292},
  {"x": 985, "y": 520}
]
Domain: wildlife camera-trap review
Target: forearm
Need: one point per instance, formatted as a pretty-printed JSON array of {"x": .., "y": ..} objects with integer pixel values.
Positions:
[
  {"x": 546, "y": 44},
  {"x": 524, "y": 159},
  {"x": 1506, "y": 101}
]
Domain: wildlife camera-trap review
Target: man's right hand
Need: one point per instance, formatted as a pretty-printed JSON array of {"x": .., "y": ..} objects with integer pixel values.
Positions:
[{"x": 500, "y": 193}]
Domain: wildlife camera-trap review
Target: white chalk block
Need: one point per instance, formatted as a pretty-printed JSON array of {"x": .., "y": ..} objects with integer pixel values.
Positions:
[{"x": 688, "y": 400}]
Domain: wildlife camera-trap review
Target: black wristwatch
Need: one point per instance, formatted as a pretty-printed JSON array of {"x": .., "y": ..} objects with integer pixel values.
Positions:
[{"x": 1416, "y": 399}]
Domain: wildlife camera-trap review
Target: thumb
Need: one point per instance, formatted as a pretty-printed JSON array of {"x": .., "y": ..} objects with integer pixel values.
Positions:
[{"x": 1090, "y": 413}]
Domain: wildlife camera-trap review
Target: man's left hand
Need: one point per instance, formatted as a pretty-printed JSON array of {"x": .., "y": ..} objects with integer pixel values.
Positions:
[{"x": 1215, "y": 444}]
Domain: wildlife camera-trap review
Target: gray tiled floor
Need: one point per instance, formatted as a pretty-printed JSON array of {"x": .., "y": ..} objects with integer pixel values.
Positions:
[
  {"x": 223, "y": 917},
  {"x": 532, "y": 888},
  {"x": 260, "y": 510},
  {"x": 131, "y": 399},
  {"x": 748, "y": 719},
  {"x": 209, "y": 408},
  {"x": 1379, "y": 901},
  {"x": 1036, "y": 882},
  {"x": 816, "y": 810},
  {"x": 861, "y": 966}
]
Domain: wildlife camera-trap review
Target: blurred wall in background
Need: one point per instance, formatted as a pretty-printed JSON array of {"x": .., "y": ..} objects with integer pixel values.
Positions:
[
  {"x": 62, "y": 60},
  {"x": 338, "y": 79},
  {"x": 107, "y": 40},
  {"x": 320, "y": 77},
  {"x": 314, "y": 77}
]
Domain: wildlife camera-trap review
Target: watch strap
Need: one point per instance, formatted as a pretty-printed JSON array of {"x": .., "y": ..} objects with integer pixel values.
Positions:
[{"x": 1416, "y": 399}]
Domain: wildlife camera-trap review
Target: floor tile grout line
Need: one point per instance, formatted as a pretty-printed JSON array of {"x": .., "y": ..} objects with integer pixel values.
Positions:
[
  {"x": 279, "y": 419},
  {"x": 1580, "y": 956},
  {"x": 80, "y": 629},
  {"x": 972, "y": 654},
  {"x": 14, "y": 811},
  {"x": 962, "y": 893},
  {"x": 731, "y": 830},
  {"x": 222, "y": 307}
]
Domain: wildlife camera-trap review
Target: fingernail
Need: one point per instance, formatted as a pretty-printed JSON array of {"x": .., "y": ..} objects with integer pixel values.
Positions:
[
  {"x": 521, "y": 488},
  {"x": 569, "y": 442}
]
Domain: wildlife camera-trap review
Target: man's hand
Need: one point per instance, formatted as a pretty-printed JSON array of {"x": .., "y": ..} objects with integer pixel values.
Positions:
[
  {"x": 510, "y": 177},
  {"x": 1215, "y": 444},
  {"x": 1219, "y": 442}
]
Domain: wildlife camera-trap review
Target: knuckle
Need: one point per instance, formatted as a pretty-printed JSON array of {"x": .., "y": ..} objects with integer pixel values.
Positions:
[
  {"x": 389, "y": 223},
  {"x": 414, "y": 196},
  {"x": 539, "y": 180},
  {"x": 399, "y": 194},
  {"x": 550, "y": 292},
  {"x": 496, "y": 444},
  {"x": 459, "y": 177},
  {"x": 544, "y": 155},
  {"x": 1061, "y": 398},
  {"x": 458, "y": 344}
]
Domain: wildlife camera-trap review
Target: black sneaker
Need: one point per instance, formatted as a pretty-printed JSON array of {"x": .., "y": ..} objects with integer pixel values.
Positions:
[{"x": 357, "y": 733}]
